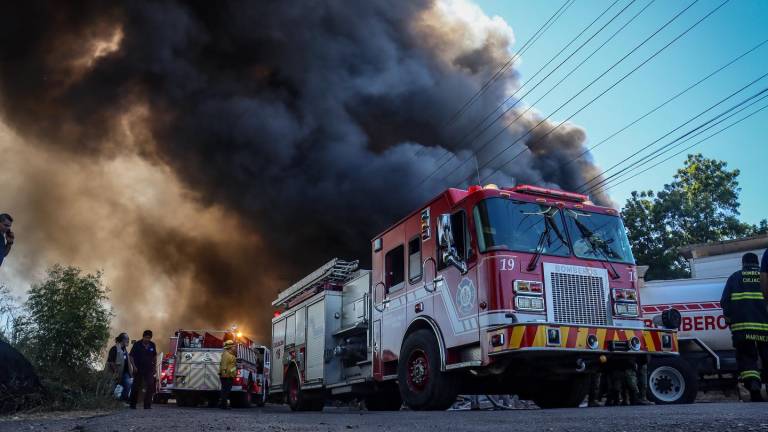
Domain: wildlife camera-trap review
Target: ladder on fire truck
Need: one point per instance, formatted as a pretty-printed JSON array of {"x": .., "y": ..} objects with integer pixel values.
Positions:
[{"x": 334, "y": 272}]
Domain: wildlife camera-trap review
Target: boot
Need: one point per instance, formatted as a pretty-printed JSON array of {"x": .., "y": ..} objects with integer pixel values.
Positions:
[{"x": 637, "y": 399}]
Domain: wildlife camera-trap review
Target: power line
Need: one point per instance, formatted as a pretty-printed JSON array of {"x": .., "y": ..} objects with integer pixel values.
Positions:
[
  {"x": 567, "y": 75},
  {"x": 710, "y": 124},
  {"x": 540, "y": 32},
  {"x": 451, "y": 155},
  {"x": 686, "y": 149},
  {"x": 557, "y": 84},
  {"x": 710, "y": 108},
  {"x": 601, "y": 94},
  {"x": 501, "y": 105},
  {"x": 596, "y": 97},
  {"x": 533, "y": 39},
  {"x": 687, "y": 89}
]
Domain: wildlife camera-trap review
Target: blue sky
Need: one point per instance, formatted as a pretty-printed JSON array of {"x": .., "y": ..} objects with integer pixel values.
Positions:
[{"x": 732, "y": 30}]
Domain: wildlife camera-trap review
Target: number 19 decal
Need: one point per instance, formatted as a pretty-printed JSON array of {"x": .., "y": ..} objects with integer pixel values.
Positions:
[{"x": 507, "y": 264}]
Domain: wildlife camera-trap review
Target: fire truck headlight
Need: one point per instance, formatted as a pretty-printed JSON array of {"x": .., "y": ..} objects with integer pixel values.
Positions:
[
  {"x": 626, "y": 309},
  {"x": 529, "y": 303},
  {"x": 634, "y": 343}
]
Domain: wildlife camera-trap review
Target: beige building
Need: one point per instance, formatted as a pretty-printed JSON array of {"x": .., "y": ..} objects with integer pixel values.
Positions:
[{"x": 721, "y": 259}]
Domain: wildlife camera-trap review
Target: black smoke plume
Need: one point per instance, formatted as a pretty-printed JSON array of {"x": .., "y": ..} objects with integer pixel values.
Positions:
[{"x": 313, "y": 123}]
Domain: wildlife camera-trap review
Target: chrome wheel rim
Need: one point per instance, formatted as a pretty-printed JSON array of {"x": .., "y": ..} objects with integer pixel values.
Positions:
[{"x": 667, "y": 384}]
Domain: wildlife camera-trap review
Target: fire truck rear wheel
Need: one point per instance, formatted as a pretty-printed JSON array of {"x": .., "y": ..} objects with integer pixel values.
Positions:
[
  {"x": 567, "y": 393},
  {"x": 671, "y": 380},
  {"x": 298, "y": 399},
  {"x": 241, "y": 399},
  {"x": 423, "y": 386}
]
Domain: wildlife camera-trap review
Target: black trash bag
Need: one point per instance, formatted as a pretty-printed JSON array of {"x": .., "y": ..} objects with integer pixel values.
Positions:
[{"x": 20, "y": 388}]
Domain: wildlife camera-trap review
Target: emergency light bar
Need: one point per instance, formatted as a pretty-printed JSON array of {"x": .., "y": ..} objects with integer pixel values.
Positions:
[{"x": 551, "y": 193}]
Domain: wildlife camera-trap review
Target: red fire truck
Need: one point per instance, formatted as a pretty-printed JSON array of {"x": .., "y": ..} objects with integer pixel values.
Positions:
[
  {"x": 190, "y": 373},
  {"x": 522, "y": 290}
]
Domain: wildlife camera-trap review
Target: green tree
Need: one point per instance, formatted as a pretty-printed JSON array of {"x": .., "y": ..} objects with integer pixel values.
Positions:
[
  {"x": 700, "y": 205},
  {"x": 66, "y": 325}
]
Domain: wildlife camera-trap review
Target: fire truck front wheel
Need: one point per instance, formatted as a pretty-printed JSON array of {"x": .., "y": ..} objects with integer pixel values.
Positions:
[{"x": 422, "y": 385}]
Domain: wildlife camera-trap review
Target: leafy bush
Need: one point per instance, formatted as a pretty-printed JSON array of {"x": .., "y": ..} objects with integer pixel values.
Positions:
[{"x": 64, "y": 329}]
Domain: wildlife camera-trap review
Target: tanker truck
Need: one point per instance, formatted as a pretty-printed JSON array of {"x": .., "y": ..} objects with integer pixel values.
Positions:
[
  {"x": 707, "y": 359},
  {"x": 489, "y": 290}
]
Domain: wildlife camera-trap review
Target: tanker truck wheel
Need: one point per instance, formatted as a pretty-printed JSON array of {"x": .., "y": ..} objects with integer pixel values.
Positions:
[
  {"x": 568, "y": 393},
  {"x": 422, "y": 385},
  {"x": 671, "y": 380}
]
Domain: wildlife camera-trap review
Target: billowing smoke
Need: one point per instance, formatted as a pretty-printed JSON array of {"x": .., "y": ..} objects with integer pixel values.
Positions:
[{"x": 204, "y": 154}]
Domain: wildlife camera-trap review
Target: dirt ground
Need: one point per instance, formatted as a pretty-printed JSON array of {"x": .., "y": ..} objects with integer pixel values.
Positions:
[{"x": 713, "y": 416}]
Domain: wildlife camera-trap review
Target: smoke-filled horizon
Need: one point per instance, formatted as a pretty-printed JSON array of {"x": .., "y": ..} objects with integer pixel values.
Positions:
[{"x": 206, "y": 155}]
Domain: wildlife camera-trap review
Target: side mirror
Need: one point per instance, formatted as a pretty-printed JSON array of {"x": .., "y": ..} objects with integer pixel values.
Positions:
[
  {"x": 447, "y": 244},
  {"x": 669, "y": 319}
]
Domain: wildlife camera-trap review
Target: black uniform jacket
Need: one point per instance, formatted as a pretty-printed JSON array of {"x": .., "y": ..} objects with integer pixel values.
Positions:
[{"x": 744, "y": 305}]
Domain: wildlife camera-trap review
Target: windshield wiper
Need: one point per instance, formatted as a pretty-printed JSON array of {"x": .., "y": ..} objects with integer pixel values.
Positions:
[
  {"x": 539, "y": 246},
  {"x": 588, "y": 235},
  {"x": 548, "y": 225}
]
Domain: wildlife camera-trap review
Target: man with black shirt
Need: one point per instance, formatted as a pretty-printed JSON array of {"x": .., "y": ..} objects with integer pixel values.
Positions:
[
  {"x": 744, "y": 309},
  {"x": 144, "y": 358},
  {"x": 120, "y": 365},
  {"x": 7, "y": 236}
]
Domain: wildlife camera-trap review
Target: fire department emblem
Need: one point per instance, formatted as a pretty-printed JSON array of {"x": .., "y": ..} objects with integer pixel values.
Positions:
[{"x": 465, "y": 296}]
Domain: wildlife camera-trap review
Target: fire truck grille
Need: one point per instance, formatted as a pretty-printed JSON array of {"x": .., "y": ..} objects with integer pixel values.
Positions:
[{"x": 578, "y": 299}]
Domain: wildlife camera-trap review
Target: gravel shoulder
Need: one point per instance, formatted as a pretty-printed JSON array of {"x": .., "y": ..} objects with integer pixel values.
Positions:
[{"x": 699, "y": 417}]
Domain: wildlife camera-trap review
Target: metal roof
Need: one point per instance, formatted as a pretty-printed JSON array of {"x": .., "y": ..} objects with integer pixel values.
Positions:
[{"x": 725, "y": 247}]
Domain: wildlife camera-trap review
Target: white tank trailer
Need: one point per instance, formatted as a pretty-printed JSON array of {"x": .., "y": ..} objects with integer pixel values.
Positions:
[{"x": 707, "y": 360}]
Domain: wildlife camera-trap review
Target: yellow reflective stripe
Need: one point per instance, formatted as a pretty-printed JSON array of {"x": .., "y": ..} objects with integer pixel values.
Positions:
[
  {"x": 747, "y": 295},
  {"x": 749, "y": 374},
  {"x": 749, "y": 326}
]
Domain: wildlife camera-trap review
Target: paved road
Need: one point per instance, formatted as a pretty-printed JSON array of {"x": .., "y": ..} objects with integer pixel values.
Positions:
[{"x": 699, "y": 417}]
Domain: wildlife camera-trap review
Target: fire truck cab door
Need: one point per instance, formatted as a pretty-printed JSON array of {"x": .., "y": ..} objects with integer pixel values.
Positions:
[{"x": 456, "y": 302}]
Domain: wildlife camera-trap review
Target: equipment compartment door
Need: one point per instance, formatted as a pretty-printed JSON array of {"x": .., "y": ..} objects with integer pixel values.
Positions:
[
  {"x": 278, "y": 348},
  {"x": 315, "y": 341}
]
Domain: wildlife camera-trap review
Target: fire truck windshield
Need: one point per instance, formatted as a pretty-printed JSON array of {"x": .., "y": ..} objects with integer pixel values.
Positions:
[
  {"x": 504, "y": 224},
  {"x": 598, "y": 236}
]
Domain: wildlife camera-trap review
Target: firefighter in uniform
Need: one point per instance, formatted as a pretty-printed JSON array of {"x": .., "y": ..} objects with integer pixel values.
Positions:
[
  {"x": 227, "y": 372},
  {"x": 745, "y": 311}
]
